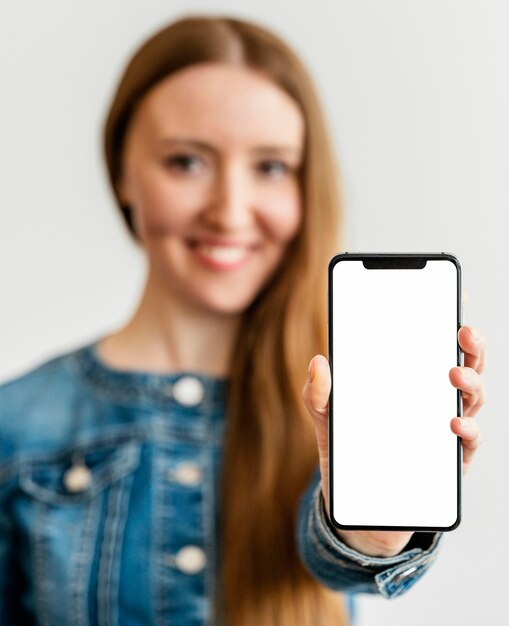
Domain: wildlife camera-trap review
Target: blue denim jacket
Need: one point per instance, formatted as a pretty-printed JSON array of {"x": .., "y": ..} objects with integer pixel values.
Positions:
[{"x": 108, "y": 511}]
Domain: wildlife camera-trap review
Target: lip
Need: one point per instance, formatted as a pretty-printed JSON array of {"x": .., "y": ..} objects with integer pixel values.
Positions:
[
  {"x": 216, "y": 264},
  {"x": 221, "y": 241}
]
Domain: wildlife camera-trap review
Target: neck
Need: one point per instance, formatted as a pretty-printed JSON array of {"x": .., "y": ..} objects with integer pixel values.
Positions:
[{"x": 167, "y": 334}]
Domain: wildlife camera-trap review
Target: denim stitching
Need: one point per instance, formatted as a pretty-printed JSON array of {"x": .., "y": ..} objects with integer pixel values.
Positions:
[
  {"x": 80, "y": 576},
  {"x": 160, "y": 430},
  {"x": 208, "y": 529},
  {"x": 383, "y": 579},
  {"x": 107, "y": 472},
  {"x": 41, "y": 573},
  {"x": 136, "y": 387},
  {"x": 155, "y": 428},
  {"x": 123, "y": 514},
  {"x": 157, "y": 549},
  {"x": 106, "y": 605}
]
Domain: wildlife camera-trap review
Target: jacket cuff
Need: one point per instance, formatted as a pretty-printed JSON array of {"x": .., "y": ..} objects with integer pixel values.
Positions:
[{"x": 342, "y": 568}]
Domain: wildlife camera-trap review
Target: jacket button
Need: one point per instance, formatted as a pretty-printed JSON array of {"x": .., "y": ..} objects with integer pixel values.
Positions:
[
  {"x": 190, "y": 559},
  {"x": 77, "y": 478},
  {"x": 186, "y": 473},
  {"x": 404, "y": 574},
  {"x": 188, "y": 391}
]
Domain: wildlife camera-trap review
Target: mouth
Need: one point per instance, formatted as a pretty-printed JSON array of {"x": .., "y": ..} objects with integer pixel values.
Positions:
[{"x": 221, "y": 256}]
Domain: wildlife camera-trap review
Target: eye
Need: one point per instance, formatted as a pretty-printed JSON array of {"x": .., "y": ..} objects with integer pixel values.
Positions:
[
  {"x": 273, "y": 168},
  {"x": 184, "y": 162}
]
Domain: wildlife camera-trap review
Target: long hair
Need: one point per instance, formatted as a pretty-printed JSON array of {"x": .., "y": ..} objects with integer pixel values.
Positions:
[{"x": 270, "y": 446}]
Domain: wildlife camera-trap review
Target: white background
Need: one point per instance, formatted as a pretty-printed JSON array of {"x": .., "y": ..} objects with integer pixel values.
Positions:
[{"x": 417, "y": 95}]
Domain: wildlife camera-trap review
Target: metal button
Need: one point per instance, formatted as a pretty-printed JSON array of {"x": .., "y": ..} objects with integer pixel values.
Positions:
[
  {"x": 188, "y": 391},
  {"x": 77, "y": 478},
  {"x": 407, "y": 572},
  {"x": 186, "y": 473},
  {"x": 190, "y": 559}
]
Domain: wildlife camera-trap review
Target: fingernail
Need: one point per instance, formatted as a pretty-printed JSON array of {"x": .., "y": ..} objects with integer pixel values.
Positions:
[
  {"x": 475, "y": 335},
  {"x": 466, "y": 373},
  {"x": 465, "y": 424},
  {"x": 311, "y": 371}
]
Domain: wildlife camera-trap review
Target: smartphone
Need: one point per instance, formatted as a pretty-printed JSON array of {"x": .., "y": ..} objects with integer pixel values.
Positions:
[{"x": 394, "y": 463}]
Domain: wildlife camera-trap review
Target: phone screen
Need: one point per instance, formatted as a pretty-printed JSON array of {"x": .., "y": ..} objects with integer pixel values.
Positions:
[{"x": 393, "y": 323}]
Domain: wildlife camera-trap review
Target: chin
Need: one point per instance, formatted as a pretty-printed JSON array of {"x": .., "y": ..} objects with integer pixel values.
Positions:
[
  {"x": 226, "y": 304},
  {"x": 225, "y": 308}
]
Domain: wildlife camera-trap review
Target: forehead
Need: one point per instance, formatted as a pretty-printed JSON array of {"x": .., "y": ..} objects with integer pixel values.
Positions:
[{"x": 224, "y": 103}]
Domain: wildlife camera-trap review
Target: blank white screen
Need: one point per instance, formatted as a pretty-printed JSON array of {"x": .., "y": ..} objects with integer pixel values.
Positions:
[{"x": 394, "y": 342}]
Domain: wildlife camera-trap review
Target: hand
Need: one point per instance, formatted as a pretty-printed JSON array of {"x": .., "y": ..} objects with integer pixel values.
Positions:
[{"x": 316, "y": 397}]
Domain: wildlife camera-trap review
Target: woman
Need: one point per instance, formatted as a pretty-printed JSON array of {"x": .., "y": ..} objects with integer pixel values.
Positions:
[{"x": 126, "y": 495}]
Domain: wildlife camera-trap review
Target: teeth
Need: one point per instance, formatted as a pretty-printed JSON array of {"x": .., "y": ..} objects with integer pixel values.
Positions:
[{"x": 225, "y": 254}]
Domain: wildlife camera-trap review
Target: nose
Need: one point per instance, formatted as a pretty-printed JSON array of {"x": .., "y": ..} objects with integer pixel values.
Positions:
[{"x": 230, "y": 205}]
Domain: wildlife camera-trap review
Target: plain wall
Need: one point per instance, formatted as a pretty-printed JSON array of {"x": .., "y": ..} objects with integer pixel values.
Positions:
[{"x": 417, "y": 96}]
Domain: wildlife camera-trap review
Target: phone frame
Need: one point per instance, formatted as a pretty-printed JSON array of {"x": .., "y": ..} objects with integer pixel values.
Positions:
[{"x": 388, "y": 258}]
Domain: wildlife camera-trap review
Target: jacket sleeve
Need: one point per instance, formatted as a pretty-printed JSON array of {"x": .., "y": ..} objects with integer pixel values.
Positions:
[{"x": 341, "y": 568}]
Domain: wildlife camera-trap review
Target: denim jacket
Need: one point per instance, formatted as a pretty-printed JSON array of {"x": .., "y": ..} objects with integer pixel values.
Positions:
[{"x": 108, "y": 509}]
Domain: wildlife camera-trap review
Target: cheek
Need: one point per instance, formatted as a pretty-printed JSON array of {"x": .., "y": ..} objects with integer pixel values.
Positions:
[
  {"x": 281, "y": 213},
  {"x": 165, "y": 205}
]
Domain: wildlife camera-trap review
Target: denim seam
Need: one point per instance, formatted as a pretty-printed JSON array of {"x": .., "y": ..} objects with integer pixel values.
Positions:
[
  {"x": 110, "y": 471},
  {"x": 125, "y": 499},
  {"x": 208, "y": 530},
  {"x": 156, "y": 428},
  {"x": 157, "y": 550},
  {"x": 425, "y": 558},
  {"x": 83, "y": 444},
  {"x": 41, "y": 573},
  {"x": 80, "y": 578},
  {"x": 107, "y": 606},
  {"x": 130, "y": 392},
  {"x": 383, "y": 579}
]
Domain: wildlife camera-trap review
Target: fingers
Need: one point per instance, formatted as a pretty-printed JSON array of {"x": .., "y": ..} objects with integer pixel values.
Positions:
[
  {"x": 472, "y": 387},
  {"x": 473, "y": 344},
  {"x": 470, "y": 432}
]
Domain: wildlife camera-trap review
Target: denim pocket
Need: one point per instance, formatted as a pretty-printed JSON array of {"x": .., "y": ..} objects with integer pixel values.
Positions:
[
  {"x": 73, "y": 536},
  {"x": 44, "y": 477}
]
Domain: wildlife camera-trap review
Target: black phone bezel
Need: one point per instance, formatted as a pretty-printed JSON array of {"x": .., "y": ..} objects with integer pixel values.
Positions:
[{"x": 389, "y": 258}]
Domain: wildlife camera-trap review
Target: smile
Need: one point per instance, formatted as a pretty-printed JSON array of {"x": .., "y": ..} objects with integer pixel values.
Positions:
[{"x": 221, "y": 257}]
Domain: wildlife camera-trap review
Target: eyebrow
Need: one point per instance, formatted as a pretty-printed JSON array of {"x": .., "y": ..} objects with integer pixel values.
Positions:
[{"x": 202, "y": 145}]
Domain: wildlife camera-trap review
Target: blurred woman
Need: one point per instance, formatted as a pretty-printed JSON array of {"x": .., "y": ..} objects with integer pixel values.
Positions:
[{"x": 168, "y": 472}]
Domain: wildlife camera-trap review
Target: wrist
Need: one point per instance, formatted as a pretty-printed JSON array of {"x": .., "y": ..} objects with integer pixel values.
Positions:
[
  {"x": 375, "y": 543},
  {"x": 370, "y": 543}
]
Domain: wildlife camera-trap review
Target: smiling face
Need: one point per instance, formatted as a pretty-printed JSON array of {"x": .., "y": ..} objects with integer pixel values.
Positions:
[{"x": 210, "y": 170}]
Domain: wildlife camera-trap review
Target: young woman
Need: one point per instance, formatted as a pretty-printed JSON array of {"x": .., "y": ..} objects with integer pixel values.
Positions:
[{"x": 168, "y": 472}]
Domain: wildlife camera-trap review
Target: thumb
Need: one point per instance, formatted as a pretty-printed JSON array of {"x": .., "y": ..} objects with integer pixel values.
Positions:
[
  {"x": 317, "y": 388},
  {"x": 316, "y": 399}
]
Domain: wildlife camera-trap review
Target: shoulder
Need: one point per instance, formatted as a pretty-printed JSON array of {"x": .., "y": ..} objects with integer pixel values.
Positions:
[{"x": 36, "y": 405}]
